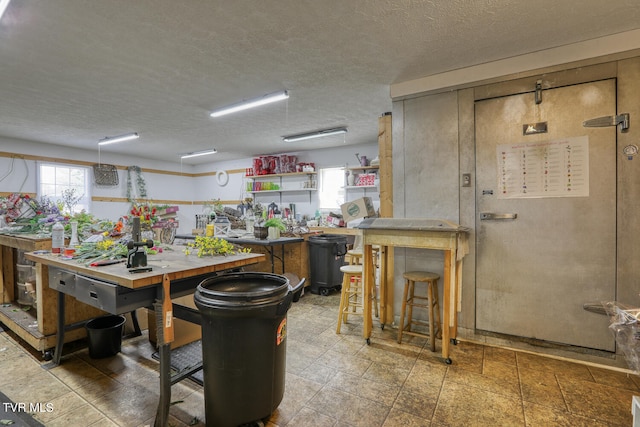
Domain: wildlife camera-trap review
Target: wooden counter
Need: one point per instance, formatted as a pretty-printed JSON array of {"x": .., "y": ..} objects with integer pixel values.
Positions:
[{"x": 37, "y": 325}]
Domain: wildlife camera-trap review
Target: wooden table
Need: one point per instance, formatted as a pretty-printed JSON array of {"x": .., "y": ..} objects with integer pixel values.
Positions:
[
  {"x": 422, "y": 233},
  {"x": 269, "y": 244},
  {"x": 37, "y": 326},
  {"x": 96, "y": 286}
]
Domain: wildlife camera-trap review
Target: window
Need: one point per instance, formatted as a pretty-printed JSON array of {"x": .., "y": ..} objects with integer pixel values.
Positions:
[
  {"x": 331, "y": 188},
  {"x": 68, "y": 185}
]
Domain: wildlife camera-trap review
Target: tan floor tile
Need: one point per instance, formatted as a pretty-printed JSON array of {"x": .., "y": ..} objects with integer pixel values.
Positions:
[
  {"x": 347, "y": 363},
  {"x": 128, "y": 405},
  {"x": 420, "y": 403},
  {"x": 365, "y": 413},
  {"x": 545, "y": 416},
  {"x": 425, "y": 375},
  {"x": 98, "y": 388},
  {"x": 310, "y": 418},
  {"x": 62, "y": 404},
  {"x": 84, "y": 415},
  {"x": 615, "y": 379},
  {"x": 331, "y": 402},
  {"x": 398, "y": 418},
  {"x": 103, "y": 422},
  {"x": 507, "y": 384},
  {"x": 37, "y": 388},
  {"x": 541, "y": 387},
  {"x": 76, "y": 372},
  {"x": 300, "y": 389},
  {"x": 597, "y": 401},
  {"x": 467, "y": 355},
  {"x": 460, "y": 405},
  {"x": 371, "y": 390},
  {"x": 542, "y": 363},
  {"x": 502, "y": 355},
  {"x": 382, "y": 373}
]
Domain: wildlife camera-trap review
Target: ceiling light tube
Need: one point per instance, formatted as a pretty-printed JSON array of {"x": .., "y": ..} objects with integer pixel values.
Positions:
[
  {"x": 198, "y": 153},
  {"x": 120, "y": 138},
  {"x": 251, "y": 103},
  {"x": 316, "y": 134},
  {"x": 3, "y": 6}
]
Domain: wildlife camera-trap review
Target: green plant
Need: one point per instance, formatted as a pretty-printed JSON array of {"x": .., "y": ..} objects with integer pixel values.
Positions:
[{"x": 275, "y": 222}]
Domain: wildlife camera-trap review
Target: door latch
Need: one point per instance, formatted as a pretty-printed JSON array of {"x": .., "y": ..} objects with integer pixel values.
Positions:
[{"x": 621, "y": 119}]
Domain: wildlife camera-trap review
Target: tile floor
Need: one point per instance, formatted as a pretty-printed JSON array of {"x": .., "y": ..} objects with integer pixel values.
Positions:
[{"x": 336, "y": 380}]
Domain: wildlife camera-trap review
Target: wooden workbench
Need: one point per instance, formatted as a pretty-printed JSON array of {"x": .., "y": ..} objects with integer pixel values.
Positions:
[
  {"x": 37, "y": 325},
  {"x": 421, "y": 233},
  {"x": 96, "y": 285}
]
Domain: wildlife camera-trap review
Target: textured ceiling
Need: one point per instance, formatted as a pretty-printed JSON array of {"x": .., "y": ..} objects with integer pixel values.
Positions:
[{"x": 75, "y": 71}]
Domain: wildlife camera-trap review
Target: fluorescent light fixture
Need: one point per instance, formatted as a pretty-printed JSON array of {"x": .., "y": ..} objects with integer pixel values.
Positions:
[
  {"x": 198, "y": 153},
  {"x": 119, "y": 138},
  {"x": 3, "y": 6},
  {"x": 251, "y": 103},
  {"x": 316, "y": 134}
]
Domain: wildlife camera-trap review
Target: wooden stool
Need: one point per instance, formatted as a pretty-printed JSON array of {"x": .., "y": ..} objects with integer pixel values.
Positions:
[
  {"x": 351, "y": 295},
  {"x": 355, "y": 258},
  {"x": 409, "y": 301}
]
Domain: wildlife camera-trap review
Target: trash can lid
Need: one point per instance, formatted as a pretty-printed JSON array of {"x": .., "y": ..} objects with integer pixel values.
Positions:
[
  {"x": 327, "y": 238},
  {"x": 242, "y": 289}
]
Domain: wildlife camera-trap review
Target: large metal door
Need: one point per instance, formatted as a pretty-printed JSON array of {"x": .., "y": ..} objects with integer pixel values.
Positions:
[{"x": 546, "y": 218}]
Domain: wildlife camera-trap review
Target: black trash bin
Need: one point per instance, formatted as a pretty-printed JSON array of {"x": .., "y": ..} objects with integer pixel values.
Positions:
[
  {"x": 244, "y": 318},
  {"x": 105, "y": 335},
  {"x": 326, "y": 256}
]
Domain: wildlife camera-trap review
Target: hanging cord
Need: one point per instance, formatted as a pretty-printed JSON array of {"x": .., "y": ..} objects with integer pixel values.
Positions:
[{"x": 11, "y": 167}]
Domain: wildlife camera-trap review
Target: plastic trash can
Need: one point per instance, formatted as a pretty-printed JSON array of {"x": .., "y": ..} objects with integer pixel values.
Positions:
[
  {"x": 105, "y": 335},
  {"x": 244, "y": 325},
  {"x": 326, "y": 256}
]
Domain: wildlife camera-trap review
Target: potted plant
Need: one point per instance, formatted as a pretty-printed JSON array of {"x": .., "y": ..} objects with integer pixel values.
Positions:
[{"x": 274, "y": 227}]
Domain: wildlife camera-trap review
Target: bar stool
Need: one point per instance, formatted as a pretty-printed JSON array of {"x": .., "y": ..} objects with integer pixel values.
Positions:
[
  {"x": 351, "y": 295},
  {"x": 409, "y": 301}
]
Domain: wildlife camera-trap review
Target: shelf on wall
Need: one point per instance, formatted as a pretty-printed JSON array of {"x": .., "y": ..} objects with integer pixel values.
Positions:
[
  {"x": 300, "y": 190},
  {"x": 363, "y": 168},
  {"x": 357, "y": 187},
  {"x": 275, "y": 175}
]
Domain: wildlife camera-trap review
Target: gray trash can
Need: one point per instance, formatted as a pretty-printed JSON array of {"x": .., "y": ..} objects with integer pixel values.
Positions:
[
  {"x": 326, "y": 256},
  {"x": 244, "y": 318}
]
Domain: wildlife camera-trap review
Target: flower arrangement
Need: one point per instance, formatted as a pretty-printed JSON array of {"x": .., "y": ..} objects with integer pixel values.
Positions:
[
  {"x": 12, "y": 206},
  {"x": 213, "y": 246},
  {"x": 147, "y": 213}
]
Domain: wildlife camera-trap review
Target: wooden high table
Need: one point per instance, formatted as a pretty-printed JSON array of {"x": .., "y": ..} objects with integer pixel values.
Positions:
[
  {"x": 420, "y": 233},
  {"x": 114, "y": 289}
]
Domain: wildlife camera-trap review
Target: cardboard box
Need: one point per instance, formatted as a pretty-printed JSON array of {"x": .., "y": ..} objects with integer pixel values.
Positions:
[
  {"x": 359, "y": 208},
  {"x": 183, "y": 332}
]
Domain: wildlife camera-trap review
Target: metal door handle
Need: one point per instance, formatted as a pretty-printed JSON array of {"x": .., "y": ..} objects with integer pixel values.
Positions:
[{"x": 485, "y": 216}]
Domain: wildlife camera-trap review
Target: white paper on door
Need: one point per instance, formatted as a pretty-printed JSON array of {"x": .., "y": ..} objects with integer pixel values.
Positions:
[{"x": 557, "y": 168}]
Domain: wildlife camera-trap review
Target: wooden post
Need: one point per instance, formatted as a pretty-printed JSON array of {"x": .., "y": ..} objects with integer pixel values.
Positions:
[
  {"x": 385, "y": 151},
  {"x": 386, "y": 165}
]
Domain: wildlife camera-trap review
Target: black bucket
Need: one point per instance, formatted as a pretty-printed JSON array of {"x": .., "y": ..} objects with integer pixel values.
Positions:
[
  {"x": 105, "y": 335},
  {"x": 244, "y": 318}
]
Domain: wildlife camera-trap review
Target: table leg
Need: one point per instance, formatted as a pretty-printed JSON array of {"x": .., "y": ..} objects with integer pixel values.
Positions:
[
  {"x": 449, "y": 299},
  {"x": 57, "y": 355},
  {"x": 369, "y": 281},
  {"x": 162, "y": 414}
]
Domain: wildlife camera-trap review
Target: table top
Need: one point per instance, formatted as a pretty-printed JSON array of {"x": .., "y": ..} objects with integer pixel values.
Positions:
[
  {"x": 173, "y": 262},
  {"x": 412, "y": 224},
  {"x": 249, "y": 240},
  {"x": 25, "y": 241}
]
